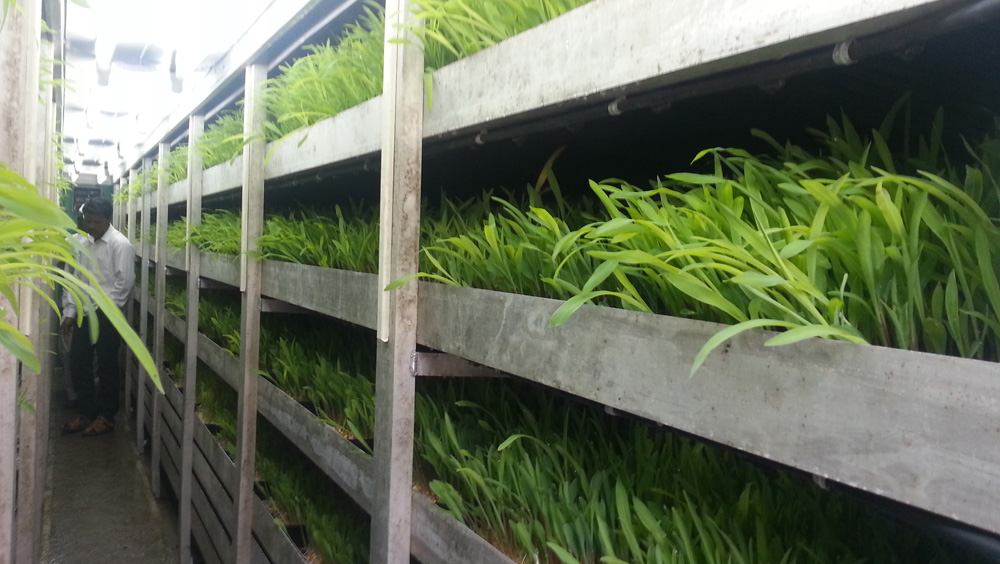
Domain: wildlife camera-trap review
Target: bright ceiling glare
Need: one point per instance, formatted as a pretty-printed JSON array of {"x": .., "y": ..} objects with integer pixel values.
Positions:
[{"x": 129, "y": 65}]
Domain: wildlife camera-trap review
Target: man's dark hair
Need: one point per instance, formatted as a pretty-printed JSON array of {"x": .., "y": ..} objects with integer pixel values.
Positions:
[{"x": 98, "y": 206}]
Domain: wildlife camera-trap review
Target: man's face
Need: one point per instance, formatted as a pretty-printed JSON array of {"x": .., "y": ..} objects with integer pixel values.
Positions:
[{"x": 94, "y": 225}]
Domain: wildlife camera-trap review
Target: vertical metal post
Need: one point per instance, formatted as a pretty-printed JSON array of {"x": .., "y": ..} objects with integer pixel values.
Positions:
[
  {"x": 116, "y": 218},
  {"x": 34, "y": 425},
  {"x": 19, "y": 57},
  {"x": 250, "y": 274},
  {"x": 121, "y": 208},
  {"x": 160, "y": 309},
  {"x": 140, "y": 385},
  {"x": 196, "y": 126},
  {"x": 402, "y": 139},
  {"x": 8, "y": 445},
  {"x": 131, "y": 233},
  {"x": 130, "y": 370}
]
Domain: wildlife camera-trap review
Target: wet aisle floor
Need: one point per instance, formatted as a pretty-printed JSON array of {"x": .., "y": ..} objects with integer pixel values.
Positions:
[{"x": 99, "y": 506}]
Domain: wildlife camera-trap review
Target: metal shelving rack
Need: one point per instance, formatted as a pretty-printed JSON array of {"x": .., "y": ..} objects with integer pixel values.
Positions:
[
  {"x": 916, "y": 428},
  {"x": 30, "y": 108}
]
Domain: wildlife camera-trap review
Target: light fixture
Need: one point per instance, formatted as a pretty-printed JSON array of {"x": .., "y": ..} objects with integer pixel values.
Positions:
[
  {"x": 104, "y": 52},
  {"x": 91, "y": 115},
  {"x": 176, "y": 76}
]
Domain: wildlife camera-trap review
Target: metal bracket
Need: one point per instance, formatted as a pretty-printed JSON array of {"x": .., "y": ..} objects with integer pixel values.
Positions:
[
  {"x": 842, "y": 53},
  {"x": 450, "y": 366},
  {"x": 614, "y": 108},
  {"x": 271, "y": 305}
]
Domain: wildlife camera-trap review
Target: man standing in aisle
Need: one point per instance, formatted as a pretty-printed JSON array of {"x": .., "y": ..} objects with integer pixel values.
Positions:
[{"x": 112, "y": 261}]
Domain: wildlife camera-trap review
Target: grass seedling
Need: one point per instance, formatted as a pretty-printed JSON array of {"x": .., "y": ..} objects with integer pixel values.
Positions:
[{"x": 223, "y": 140}]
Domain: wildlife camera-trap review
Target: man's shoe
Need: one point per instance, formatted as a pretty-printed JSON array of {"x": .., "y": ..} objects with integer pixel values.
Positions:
[
  {"x": 100, "y": 426},
  {"x": 77, "y": 425}
]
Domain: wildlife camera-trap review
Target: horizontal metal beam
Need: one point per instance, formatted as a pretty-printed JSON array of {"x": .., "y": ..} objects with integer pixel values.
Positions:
[
  {"x": 210, "y": 284},
  {"x": 596, "y": 64},
  {"x": 271, "y": 305},
  {"x": 450, "y": 366},
  {"x": 346, "y": 295},
  {"x": 914, "y": 427},
  {"x": 221, "y": 268},
  {"x": 604, "y": 50}
]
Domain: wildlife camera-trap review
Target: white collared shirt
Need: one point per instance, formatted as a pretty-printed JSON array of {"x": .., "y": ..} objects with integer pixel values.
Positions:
[{"x": 115, "y": 269}]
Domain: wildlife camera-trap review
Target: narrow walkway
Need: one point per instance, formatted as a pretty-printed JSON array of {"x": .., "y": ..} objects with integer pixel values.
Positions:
[{"x": 99, "y": 505}]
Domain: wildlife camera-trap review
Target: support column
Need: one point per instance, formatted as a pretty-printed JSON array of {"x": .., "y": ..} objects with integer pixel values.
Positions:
[
  {"x": 160, "y": 309},
  {"x": 250, "y": 274},
  {"x": 116, "y": 217},
  {"x": 130, "y": 362},
  {"x": 402, "y": 142},
  {"x": 196, "y": 126},
  {"x": 37, "y": 323},
  {"x": 146, "y": 254},
  {"x": 19, "y": 56}
]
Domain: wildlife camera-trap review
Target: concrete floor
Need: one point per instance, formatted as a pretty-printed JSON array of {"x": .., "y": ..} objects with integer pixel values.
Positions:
[{"x": 99, "y": 505}]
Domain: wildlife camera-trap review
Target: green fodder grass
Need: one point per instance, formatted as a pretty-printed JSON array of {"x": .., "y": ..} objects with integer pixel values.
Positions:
[
  {"x": 222, "y": 140},
  {"x": 859, "y": 241},
  {"x": 556, "y": 481},
  {"x": 177, "y": 164},
  {"x": 337, "y": 529},
  {"x": 341, "y": 74},
  {"x": 455, "y": 29},
  {"x": 333, "y": 77}
]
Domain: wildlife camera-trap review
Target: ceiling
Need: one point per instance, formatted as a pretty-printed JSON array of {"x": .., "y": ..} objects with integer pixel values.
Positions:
[{"x": 129, "y": 64}]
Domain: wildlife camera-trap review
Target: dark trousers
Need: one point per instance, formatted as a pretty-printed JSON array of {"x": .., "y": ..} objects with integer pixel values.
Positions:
[{"x": 102, "y": 399}]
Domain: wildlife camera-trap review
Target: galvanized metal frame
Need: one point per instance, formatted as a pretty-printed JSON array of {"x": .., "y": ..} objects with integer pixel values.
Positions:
[
  {"x": 579, "y": 58},
  {"x": 402, "y": 155},
  {"x": 37, "y": 323},
  {"x": 436, "y": 538},
  {"x": 22, "y": 149},
  {"x": 884, "y": 420},
  {"x": 655, "y": 351},
  {"x": 196, "y": 127},
  {"x": 8, "y": 447},
  {"x": 159, "y": 258},
  {"x": 130, "y": 367},
  {"x": 450, "y": 366},
  {"x": 215, "y": 484},
  {"x": 462, "y": 104},
  {"x": 117, "y": 213},
  {"x": 140, "y": 404},
  {"x": 17, "y": 52},
  {"x": 346, "y": 295},
  {"x": 250, "y": 275}
]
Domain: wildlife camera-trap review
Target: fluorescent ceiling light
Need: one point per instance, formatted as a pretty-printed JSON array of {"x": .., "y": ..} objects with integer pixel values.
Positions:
[{"x": 104, "y": 51}]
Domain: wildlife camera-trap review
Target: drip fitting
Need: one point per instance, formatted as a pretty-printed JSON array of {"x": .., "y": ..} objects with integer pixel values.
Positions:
[
  {"x": 842, "y": 53},
  {"x": 613, "y": 107}
]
